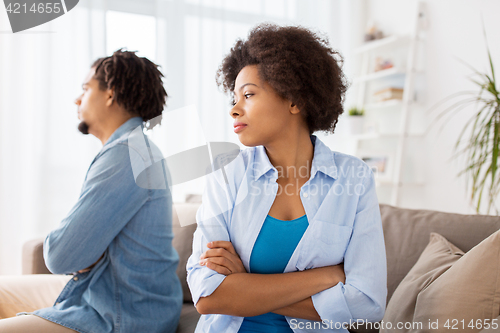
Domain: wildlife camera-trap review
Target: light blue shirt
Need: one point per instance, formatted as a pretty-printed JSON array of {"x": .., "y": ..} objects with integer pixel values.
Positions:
[
  {"x": 345, "y": 225},
  {"x": 134, "y": 287}
]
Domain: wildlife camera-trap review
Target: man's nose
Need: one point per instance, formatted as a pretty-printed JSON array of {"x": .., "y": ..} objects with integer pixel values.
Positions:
[{"x": 78, "y": 100}]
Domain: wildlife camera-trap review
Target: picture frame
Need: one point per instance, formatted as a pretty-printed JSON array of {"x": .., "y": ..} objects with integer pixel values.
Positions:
[{"x": 381, "y": 162}]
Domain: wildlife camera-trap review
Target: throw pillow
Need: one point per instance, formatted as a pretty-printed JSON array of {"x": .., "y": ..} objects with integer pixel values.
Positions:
[
  {"x": 466, "y": 296},
  {"x": 437, "y": 258},
  {"x": 463, "y": 297}
]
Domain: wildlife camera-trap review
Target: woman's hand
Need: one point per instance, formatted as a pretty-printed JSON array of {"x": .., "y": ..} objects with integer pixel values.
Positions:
[{"x": 222, "y": 258}]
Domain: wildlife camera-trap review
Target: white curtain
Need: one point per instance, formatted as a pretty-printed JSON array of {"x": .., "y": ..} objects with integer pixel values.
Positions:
[
  {"x": 193, "y": 36},
  {"x": 43, "y": 158}
]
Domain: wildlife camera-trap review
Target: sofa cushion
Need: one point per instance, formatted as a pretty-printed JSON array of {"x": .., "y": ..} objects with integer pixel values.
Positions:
[
  {"x": 446, "y": 287},
  {"x": 469, "y": 290},
  {"x": 32, "y": 254},
  {"x": 437, "y": 258},
  {"x": 188, "y": 320},
  {"x": 183, "y": 226},
  {"x": 406, "y": 233}
]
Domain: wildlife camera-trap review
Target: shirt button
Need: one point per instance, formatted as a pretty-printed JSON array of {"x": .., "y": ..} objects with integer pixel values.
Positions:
[
  {"x": 75, "y": 278},
  {"x": 305, "y": 194}
]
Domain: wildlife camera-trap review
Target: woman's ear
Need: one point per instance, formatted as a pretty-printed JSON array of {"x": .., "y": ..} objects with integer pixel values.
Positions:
[{"x": 294, "y": 109}]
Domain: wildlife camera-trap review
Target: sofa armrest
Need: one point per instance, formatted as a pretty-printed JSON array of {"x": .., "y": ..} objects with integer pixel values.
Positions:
[{"x": 33, "y": 262}]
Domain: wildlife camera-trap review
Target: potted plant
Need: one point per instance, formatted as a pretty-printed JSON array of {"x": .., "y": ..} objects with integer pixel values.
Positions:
[
  {"x": 483, "y": 146},
  {"x": 356, "y": 120}
]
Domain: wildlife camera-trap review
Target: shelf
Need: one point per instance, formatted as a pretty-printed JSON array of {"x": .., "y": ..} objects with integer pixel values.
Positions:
[
  {"x": 387, "y": 41},
  {"x": 384, "y": 104},
  {"x": 379, "y": 75},
  {"x": 402, "y": 75}
]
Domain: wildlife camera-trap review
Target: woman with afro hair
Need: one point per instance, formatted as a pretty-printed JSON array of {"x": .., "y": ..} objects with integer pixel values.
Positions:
[{"x": 289, "y": 235}]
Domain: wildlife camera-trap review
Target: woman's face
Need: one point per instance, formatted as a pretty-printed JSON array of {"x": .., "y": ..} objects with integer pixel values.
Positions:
[{"x": 260, "y": 114}]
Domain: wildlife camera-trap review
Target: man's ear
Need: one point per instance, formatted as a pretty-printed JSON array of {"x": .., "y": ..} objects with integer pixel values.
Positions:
[
  {"x": 110, "y": 97},
  {"x": 293, "y": 108}
]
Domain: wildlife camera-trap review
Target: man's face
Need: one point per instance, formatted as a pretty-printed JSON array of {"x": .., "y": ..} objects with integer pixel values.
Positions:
[{"x": 92, "y": 104}]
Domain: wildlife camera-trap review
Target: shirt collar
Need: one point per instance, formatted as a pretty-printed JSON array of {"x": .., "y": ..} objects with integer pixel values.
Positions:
[
  {"x": 323, "y": 161},
  {"x": 126, "y": 127}
]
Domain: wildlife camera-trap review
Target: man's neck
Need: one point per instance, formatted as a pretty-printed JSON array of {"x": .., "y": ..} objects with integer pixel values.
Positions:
[{"x": 107, "y": 129}]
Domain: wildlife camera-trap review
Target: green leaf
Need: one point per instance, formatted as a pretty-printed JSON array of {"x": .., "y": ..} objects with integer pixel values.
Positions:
[
  {"x": 488, "y": 50},
  {"x": 479, "y": 145}
]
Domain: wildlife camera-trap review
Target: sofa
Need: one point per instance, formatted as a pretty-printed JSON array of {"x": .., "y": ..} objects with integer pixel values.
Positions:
[{"x": 406, "y": 233}]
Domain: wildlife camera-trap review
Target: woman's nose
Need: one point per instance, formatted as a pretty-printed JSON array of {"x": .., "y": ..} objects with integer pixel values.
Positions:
[{"x": 234, "y": 112}]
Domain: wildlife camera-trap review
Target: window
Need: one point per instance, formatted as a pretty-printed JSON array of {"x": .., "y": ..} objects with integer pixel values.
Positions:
[{"x": 133, "y": 31}]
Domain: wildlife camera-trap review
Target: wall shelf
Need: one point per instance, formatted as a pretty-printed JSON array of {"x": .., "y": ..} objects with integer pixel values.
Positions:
[
  {"x": 385, "y": 104},
  {"x": 379, "y": 75},
  {"x": 387, "y": 41},
  {"x": 401, "y": 47}
]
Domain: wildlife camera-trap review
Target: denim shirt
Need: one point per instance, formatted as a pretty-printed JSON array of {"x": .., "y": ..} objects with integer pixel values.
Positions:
[
  {"x": 128, "y": 230},
  {"x": 345, "y": 225}
]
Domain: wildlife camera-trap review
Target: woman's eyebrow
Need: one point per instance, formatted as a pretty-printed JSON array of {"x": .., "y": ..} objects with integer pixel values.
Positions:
[{"x": 248, "y": 84}]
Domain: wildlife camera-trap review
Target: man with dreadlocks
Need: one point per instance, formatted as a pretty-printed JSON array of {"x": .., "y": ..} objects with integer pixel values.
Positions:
[{"x": 116, "y": 242}]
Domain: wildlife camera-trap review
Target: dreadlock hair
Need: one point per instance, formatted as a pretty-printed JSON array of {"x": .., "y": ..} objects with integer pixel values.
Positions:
[{"x": 137, "y": 84}]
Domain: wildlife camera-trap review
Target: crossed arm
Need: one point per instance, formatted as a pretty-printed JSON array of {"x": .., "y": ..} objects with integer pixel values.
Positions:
[
  {"x": 85, "y": 234},
  {"x": 245, "y": 294}
]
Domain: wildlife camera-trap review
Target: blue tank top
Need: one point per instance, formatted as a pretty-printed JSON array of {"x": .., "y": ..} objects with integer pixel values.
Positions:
[{"x": 271, "y": 252}]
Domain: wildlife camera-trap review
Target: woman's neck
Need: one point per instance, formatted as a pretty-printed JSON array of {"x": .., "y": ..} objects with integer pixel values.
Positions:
[{"x": 292, "y": 156}]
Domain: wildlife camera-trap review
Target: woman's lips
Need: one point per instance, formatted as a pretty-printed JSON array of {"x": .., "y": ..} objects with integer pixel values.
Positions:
[{"x": 239, "y": 128}]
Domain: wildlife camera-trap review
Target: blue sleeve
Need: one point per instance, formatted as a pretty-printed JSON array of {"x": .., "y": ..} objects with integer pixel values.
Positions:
[
  {"x": 363, "y": 296},
  {"x": 212, "y": 218},
  {"x": 108, "y": 201}
]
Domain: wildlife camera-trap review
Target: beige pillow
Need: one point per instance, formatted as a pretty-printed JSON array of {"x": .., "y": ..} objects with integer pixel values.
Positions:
[
  {"x": 468, "y": 291},
  {"x": 446, "y": 286},
  {"x": 436, "y": 259}
]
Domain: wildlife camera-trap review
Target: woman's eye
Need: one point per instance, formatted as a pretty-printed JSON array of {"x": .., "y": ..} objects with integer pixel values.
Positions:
[{"x": 248, "y": 95}]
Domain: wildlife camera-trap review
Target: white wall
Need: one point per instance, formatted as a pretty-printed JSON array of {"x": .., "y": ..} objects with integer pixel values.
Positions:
[{"x": 454, "y": 30}]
